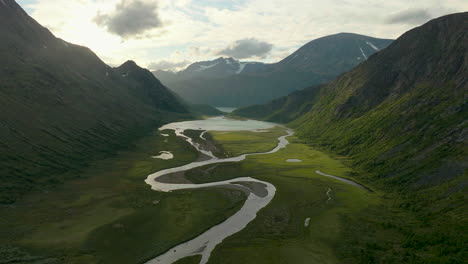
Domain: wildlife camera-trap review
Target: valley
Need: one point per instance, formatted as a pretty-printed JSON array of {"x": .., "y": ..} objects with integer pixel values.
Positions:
[
  {"x": 347, "y": 149},
  {"x": 110, "y": 206}
]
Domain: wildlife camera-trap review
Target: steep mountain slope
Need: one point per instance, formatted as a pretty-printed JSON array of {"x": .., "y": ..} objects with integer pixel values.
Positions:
[
  {"x": 61, "y": 106},
  {"x": 228, "y": 82},
  {"x": 402, "y": 117},
  {"x": 204, "y": 110}
]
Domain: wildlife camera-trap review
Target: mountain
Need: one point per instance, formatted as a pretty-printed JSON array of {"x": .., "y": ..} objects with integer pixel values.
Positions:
[
  {"x": 218, "y": 68},
  {"x": 333, "y": 55},
  {"x": 402, "y": 118},
  {"x": 204, "y": 110},
  {"x": 221, "y": 67},
  {"x": 228, "y": 82},
  {"x": 62, "y": 107}
]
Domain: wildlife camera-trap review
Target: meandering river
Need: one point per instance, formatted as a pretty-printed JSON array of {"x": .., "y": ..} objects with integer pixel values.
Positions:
[{"x": 260, "y": 193}]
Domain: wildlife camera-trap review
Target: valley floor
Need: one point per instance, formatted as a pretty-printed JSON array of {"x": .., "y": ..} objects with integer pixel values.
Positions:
[{"x": 111, "y": 216}]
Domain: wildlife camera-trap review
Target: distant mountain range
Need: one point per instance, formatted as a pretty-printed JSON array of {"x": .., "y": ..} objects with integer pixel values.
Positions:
[
  {"x": 61, "y": 106},
  {"x": 402, "y": 118},
  {"x": 219, "y": 68},
  {"x": 229, "y": 82}
]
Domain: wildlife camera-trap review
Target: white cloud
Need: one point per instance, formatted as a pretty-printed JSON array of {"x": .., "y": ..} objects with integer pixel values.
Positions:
[
  {"x": 247, "y": 48},
  {"x": 168, "y": 65},
  {"x": 411, "y": 17},
  {"x": 130, "y": 18},
  {"x": 194, "y": 31}
]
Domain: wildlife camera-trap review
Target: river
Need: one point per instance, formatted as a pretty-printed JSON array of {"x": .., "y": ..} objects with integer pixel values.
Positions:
[{"x": 260, "y": 193}]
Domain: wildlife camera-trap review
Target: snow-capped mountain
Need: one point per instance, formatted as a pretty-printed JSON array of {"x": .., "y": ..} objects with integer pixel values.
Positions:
[
  {"x": 217, "y": 68},
  {"x": 334, "y": 54},
  {"x": 229, "y": 82}
]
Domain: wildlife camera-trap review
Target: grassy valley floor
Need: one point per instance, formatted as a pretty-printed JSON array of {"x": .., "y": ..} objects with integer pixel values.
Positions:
[{"x": 111, "y": 216}]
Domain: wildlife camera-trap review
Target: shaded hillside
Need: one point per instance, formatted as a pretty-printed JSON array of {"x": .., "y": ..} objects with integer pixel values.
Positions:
[
  {"x": 228, "y": 82},
  {"x": 61, "y": 106},
  {"x": 402, "y": 117},
  {"x": 204, "y": 110},
  {"x": 284, "y": 109}
]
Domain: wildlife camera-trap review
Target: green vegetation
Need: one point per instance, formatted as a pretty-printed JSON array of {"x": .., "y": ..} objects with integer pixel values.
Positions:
[
  {"x": 236, "y": 143},
  {"x": 109, "y": 215}
]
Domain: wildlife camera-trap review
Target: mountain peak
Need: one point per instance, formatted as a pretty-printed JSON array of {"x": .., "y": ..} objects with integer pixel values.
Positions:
[
  {"x": 335, "y": 53},
  {"x": 128, "y": 63}
]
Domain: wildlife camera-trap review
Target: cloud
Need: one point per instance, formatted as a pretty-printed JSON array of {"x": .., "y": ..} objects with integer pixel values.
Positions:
[
  {"x": 209, "y": 25},
  {"x": 130, "y": 18},
  {"x": 168, "y": 65},
  {"x": 410, "y": 17},
  {"x": 247, "y": 48}
]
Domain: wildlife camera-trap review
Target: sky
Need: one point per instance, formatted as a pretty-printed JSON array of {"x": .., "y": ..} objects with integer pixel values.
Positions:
[{"x": 170, "y": 34}]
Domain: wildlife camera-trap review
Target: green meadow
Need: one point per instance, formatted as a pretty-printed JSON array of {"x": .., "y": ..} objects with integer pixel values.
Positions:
[{"x": 237, "y": 143}]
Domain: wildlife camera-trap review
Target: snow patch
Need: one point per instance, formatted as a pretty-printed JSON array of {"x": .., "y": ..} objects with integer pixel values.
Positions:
[
  {"x": 307, "y": 222},
  {"x": 372, "y": 46},
  {"x": 203, "y": 67},
  {"x": 3, "y": 3},
  {"x": 289, "y": 60},
  {"x": 363, "y": 54},
  {"x": 241, "y": 67},
  {"x": 230, "y": 61}
]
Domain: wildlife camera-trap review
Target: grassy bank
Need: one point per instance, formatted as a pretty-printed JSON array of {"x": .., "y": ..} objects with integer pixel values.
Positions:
[{"x": 235, "y": 143}]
